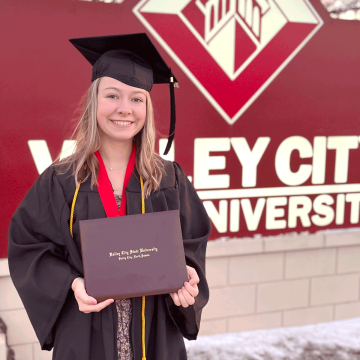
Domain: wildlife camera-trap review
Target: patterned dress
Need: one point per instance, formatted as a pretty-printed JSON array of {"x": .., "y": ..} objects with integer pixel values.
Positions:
[{"x": 124, "y": 312}]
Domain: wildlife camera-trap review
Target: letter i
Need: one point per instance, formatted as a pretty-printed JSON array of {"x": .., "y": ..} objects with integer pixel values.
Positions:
[
  {"x": 319, "y": 160},
  {"x": 234, "y": 215},
  {"x": 340, "y": 209}
]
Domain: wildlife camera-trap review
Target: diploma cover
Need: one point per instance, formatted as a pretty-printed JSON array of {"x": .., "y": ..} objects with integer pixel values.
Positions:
[{"x": 134, "y": 255}]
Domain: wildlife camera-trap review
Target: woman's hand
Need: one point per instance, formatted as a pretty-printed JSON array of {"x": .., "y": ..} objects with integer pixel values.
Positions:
[
  {"x": 186, "y": 295},
  {"x": 87, "y": 304}
]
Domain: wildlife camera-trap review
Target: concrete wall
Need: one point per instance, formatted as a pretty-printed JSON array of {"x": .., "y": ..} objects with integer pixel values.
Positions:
[
  {"x": 254, "y": 283},
  {"x": 282, "y": 281}
]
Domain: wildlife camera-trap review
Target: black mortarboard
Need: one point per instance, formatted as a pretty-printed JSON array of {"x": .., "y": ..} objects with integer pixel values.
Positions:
[{"x": 132, "y": 59}]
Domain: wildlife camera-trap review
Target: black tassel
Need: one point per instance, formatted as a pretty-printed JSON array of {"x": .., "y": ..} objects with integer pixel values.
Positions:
[{"x": 172, "y": 115}]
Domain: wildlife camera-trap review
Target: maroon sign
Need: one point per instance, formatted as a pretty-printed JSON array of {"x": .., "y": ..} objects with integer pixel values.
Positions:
[
  {"x": 267, "y": 109},
  {"x": 237, "y": 46}
]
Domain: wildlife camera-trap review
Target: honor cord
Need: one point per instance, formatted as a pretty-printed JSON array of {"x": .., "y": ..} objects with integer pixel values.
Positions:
[{"x": 143, "y": 298}]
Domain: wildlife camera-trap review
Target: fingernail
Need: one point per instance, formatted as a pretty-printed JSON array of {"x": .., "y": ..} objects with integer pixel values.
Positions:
[{"x": 179, "y": 291}]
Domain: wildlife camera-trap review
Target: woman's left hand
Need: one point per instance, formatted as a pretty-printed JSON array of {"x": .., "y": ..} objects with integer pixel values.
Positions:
[{"x": 186, "y": 295}]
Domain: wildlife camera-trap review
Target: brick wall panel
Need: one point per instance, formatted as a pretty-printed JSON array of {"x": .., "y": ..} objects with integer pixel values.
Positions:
[
  {"x": 256, "y": 321},
  {"x": 342, "y": 239},
  {"x": 12, "y": 300},
  {"x": 349, "y": 259},
  {"x": 308, "y": 316},
  {"x": 334, "y": 289},
  {"x": 234, "y": 247},
  {"x": 216, "y": 271},
  {"x": 346, "y": 311},
  {"x": 256, "y": 268},
  {"x": 4, "y": 267},
  {"x": 310, "y": 263},
  {"x": 230, "y": 301},
  {"x": 283, "y": 243},
  {"x": 282, "y": 295},
  {"x": 212, "y": 327}
]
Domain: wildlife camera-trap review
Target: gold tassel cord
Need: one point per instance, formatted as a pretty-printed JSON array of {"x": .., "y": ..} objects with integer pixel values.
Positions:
[
  {"x": 143, "y": 298},
  {"x": 73, "y": 204},
  {"x": 73, "y": 208}
]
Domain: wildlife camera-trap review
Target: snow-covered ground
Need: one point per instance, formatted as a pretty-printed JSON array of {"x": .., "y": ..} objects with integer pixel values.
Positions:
[
  {"x": 338, "y": 340},
  {"x": 343, "y": 9}
]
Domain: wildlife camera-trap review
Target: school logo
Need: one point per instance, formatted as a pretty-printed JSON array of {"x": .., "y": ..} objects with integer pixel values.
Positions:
[{"x": 231, "y": 49}]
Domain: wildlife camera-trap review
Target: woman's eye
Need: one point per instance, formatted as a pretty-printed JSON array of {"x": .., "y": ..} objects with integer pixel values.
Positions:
[
  {"x": 137, "y": 100},
  {"x": 111, "y": 96}
]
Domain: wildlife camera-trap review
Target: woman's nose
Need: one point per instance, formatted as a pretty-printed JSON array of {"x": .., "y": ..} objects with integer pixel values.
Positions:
[{"x": 124, "y": 109}]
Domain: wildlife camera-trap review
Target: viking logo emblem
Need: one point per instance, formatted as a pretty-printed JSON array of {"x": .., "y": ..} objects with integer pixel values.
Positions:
[{"x": 230, "y": 46}]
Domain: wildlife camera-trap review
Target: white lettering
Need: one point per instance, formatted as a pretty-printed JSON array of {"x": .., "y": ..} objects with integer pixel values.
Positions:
[
  {"x": 299, "y": 207},
  {"x": 272, "y": 213},
  {"x": 41, "y": 154},
  {"x": 340, "y": 209},
  {"x": 342, "y": 145},
  {"x": 354, "y": 212},
  {"x": 300, "y": 211},
  {"x": 234, "y": 215},
  {"x": 322, "y": 207},
  {"x": 319, "y": 160},
  {"x": 203, "y": 163},
  {"x": 252, "y": 218},
  {"x": 282, "y": 160},
  {"x": 248, "y": 158},
  {"x": 218, "y": 218}
]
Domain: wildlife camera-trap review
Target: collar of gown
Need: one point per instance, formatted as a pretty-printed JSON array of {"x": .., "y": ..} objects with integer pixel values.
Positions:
[{"x": 105, "y": 189}]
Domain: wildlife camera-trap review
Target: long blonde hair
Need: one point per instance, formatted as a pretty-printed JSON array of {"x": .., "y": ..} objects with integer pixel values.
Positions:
[{"x": 87, "y": 139}]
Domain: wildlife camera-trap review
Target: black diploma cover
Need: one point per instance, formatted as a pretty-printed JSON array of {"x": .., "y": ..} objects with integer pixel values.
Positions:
[{"x": 133, "y": 255}]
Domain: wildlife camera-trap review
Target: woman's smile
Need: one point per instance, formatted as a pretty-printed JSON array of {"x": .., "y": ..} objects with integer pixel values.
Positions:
[{"x": 122, "y": 122}]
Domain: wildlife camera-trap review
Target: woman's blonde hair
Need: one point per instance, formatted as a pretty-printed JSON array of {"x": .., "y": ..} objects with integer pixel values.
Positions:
[{"x": 87, "y": 139}]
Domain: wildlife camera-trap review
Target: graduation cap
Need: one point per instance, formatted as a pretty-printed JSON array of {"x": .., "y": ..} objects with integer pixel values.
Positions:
[{"x": 132, "y": 59}]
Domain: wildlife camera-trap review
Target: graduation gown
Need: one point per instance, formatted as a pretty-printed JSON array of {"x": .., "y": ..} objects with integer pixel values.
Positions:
[{"x": 44, "y": 260}]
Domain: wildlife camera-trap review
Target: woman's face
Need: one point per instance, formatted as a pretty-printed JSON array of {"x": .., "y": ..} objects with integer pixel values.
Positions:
[{"x": 121, "y": 110}]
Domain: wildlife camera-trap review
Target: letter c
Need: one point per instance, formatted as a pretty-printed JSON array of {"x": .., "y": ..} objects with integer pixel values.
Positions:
[{"x": 282, "y": 160}]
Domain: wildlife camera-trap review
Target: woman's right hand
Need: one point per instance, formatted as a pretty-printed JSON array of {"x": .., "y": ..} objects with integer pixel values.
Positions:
[{"x": 87, "y": 304}]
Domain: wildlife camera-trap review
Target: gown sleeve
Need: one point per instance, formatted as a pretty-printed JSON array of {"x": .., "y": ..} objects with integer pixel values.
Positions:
[
  {"x": 37, "y": 255},
  {"x": 195, "y": 225}
]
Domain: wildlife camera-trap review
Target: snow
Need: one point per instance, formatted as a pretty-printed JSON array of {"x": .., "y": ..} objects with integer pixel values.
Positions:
[
  {"x": 343, "y": 9},
  {"x": 338, "y": 340}
]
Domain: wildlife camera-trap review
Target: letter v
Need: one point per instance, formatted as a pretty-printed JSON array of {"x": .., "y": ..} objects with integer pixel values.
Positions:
[
  {"x": 41, "y": 154},
  {"x": 252, "y": 218}
]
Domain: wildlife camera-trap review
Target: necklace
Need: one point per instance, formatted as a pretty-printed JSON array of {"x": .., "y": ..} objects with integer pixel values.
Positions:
[{"x": 111, "y": 169}]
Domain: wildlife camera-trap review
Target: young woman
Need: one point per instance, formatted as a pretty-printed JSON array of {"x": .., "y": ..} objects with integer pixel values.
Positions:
[{"x": 115, "y": 141}]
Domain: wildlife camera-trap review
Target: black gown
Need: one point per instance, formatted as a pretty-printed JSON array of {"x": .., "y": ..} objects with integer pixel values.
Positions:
[{"x": 44, "y": 260}]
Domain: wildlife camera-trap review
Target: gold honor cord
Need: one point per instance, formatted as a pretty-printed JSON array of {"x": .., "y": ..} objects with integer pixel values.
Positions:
[
  {"x": 143, "y": 298},
  {"x": 73, "y": 208}
]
